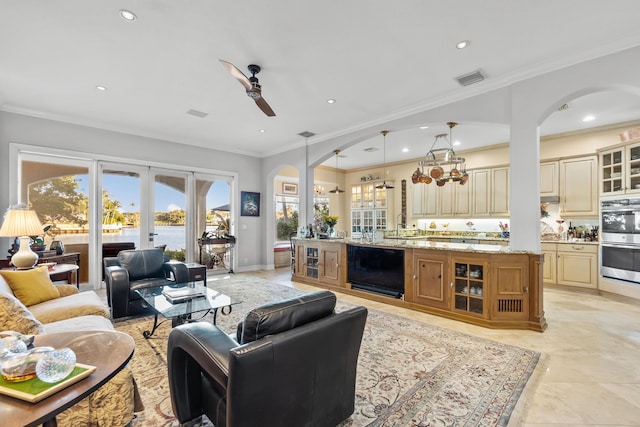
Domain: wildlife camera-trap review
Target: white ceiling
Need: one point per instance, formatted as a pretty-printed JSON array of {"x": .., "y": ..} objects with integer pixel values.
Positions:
[{"x": 376, "y": 58}]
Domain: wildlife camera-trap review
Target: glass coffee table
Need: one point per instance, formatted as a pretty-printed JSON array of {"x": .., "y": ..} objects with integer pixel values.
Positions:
[{"x": 189, "y": 298}]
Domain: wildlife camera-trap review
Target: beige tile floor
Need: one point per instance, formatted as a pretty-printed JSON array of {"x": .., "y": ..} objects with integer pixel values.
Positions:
[{"x": 590, "y": 372}]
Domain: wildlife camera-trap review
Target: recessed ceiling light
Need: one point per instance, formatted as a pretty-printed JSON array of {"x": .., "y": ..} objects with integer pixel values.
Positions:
[
  {"x": 128, "y": 15},
  {"x": 331, "y": 101},
  {"x": 462, "y": 44},
  {"x": 262, "y": 131},
  {"x": 456, "y": 143},
  {"x": 589, "y": 118},
  {"x": 405, "y": 150},
  {"x": 102, "y": 88},
  {"x": 424, "y": 127}
]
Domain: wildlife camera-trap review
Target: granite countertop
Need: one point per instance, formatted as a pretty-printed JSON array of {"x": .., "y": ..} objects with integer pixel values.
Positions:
[{"x": 426, "y": 244}]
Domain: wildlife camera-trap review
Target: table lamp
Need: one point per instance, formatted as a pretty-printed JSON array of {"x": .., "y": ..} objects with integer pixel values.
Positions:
[{"x": 23, "y": 223}]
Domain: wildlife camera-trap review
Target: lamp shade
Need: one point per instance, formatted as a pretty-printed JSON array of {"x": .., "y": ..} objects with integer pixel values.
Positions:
[{"x": 21, "y": 222}]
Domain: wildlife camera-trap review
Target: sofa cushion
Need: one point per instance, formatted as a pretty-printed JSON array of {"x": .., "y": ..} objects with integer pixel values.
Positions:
[
  {"x": 14, "y": 316},
  {"x": 31, "y": 286},
  {"x": 278, "y": 317},
  {"x": 83, "y": 323},
  {"x": 80, "y": 304}
]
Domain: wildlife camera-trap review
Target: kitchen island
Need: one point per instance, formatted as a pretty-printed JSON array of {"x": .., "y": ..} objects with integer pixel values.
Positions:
[{"x": 487, "y": 285}]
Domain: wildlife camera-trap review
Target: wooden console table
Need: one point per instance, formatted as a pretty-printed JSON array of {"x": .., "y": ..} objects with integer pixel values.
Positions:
[{"x": 61, "y": 272}]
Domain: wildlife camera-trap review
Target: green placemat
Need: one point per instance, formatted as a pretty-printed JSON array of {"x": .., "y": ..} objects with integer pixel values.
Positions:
[{"x": 34, "y": 390}]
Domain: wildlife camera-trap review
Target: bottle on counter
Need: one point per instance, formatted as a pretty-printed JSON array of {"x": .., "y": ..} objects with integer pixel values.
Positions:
[{"x": 570, "y": 233}]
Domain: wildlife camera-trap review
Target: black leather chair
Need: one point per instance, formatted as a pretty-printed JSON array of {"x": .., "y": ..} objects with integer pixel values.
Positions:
[
  {"x": 292, "y": 363},
  {"x": 137, "y": 269}
]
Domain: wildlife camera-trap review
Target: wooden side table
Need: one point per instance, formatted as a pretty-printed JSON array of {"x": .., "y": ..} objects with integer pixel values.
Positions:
[
  {"x": 108, "y": 351},
  {"x": 65, "y": 272}
]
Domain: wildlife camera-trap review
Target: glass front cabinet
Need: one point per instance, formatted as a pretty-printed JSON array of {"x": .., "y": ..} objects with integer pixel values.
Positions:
[
  {"x": 369, "y": 207},
  {"x": 620, "y": 170},
  {"x": 469, "y": 287}
]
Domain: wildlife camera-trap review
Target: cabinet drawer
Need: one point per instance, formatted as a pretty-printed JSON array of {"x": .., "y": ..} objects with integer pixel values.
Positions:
[{"x": 577, "y": 247}]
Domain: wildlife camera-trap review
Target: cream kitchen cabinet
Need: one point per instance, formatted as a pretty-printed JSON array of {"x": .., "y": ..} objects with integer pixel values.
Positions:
[
  {"x": 578, "y": 187},
  {"x": 549, "y": 182},
  {"x": 620, "y": 170},
  {"x": 490, "y": 192},
  {"x": 451, "y": 200},
  {"x": 571, "y": 264},
  {"x": 578, "y": 265}
]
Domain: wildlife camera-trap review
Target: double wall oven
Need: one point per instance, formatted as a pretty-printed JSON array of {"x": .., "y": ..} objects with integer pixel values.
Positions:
[{"x": 620, "y": 239}]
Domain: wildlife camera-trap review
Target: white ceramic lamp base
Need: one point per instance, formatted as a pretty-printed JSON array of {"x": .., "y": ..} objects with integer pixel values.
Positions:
[{"x": 25, "y": 258}]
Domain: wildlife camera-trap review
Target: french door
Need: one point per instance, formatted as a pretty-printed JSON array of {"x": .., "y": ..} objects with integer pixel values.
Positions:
[
  {"x": 146, "y": 206},
  {"x": 87, "y": 202}
]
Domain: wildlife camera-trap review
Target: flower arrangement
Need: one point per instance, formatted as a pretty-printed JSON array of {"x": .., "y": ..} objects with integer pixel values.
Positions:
[{"x": 330, "y": 220}]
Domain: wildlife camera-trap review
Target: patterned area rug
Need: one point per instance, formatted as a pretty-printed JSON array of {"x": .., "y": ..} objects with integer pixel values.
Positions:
[{"x": 410, "y": 373}]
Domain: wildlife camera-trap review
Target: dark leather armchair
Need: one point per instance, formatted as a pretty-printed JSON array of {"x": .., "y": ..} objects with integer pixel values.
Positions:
[
  {"x": 137, "y": 269},
  {"x": 293, "y": 363}
]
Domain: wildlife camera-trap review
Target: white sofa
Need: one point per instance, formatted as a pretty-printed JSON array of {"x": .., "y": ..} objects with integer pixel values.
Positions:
[{"x": 115, "y": 402}]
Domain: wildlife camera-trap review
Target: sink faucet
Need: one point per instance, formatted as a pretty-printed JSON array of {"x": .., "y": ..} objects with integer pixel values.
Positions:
[{"x": 400, "y": 215}]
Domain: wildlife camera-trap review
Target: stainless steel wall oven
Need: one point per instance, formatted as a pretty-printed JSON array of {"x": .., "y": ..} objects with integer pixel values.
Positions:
[{"x": 620, "y": 239}]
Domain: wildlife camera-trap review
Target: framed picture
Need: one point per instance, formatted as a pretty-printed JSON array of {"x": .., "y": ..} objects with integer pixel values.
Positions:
[
  {"x": 288, "y": 188},
  {"x": 249, "y": 204}
]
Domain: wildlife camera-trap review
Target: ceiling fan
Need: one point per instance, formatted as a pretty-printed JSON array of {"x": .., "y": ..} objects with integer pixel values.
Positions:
[{"x": 251, "y": 84}]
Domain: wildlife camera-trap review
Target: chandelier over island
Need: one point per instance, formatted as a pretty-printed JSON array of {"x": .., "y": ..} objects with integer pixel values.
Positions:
[{"x": 442, "y": 164}]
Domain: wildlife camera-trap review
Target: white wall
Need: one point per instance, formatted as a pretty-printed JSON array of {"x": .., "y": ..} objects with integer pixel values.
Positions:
[{"x": 15, "y": 128}]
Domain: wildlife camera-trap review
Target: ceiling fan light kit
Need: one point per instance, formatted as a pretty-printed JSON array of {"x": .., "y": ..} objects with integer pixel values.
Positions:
[
  {"x": 251, "y": 85},
  {"x": 443, "y": 165}
]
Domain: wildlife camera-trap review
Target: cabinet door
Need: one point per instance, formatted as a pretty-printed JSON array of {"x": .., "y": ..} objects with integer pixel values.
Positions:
[
  {"x": 330, "y": 266},
  {"x": 481, "y": 192},
  {"x": 300, "y": 269},
  {"x": 469, "y": 290},
  {"x": 633, "y": 168},
  {"x": 462, "y": 204},
  {"x": 578, "y": 266},
  {"x": 611, "y": 172},
  {"x": 446, "y": 202},
  {"x": 549, "y": 182},
  {"x": 549, "y": 266},
  {"x": 431, "y": 285},
  {"x": 500, "y": 191},
  {"x": 417, "y": 200},
  {"x": 578, "y": 186},
  {"x": 509, "y": 289}
]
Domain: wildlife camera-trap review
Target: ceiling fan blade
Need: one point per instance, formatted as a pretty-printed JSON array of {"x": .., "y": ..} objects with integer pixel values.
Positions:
[
  {"x": 262, "y": 104},
  {"x": 235, "y": 72}
]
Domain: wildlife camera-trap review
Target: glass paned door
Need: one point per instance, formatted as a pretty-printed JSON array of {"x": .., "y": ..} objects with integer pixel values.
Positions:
[
  {"x": 121, "y": 205},
  {"x": 169, "y": 213},
  {"x": 59, "y": 191}
]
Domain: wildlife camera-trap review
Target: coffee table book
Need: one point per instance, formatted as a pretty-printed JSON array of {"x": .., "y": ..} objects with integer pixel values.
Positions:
[
  {"x": 34, "y": 390},
  {"x": 182, "y": 294}
]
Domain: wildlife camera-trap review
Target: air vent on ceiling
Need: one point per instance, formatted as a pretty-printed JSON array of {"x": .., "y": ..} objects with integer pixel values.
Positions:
[
  {"x": 471, "y": 78},
  {"x": 371, "y": 149},
  {"x": 564, "y": 107},
  {"x": 306, "y": 134},
  {"x": 197, "y": 113}
]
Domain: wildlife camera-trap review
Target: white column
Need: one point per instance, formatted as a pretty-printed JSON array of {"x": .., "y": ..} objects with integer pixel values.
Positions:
[{"x": 524, "y": 183}]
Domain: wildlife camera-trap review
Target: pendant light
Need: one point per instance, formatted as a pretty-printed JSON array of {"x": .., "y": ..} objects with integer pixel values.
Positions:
[
  {"x": 337, "y": 189},
  {"x": 384, "y": 185}
]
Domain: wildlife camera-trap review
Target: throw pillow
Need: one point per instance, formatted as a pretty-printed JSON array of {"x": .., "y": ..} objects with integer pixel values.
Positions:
[
  {"x": 31, "y": 286},
  {"x": 14, "y": 316}
]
